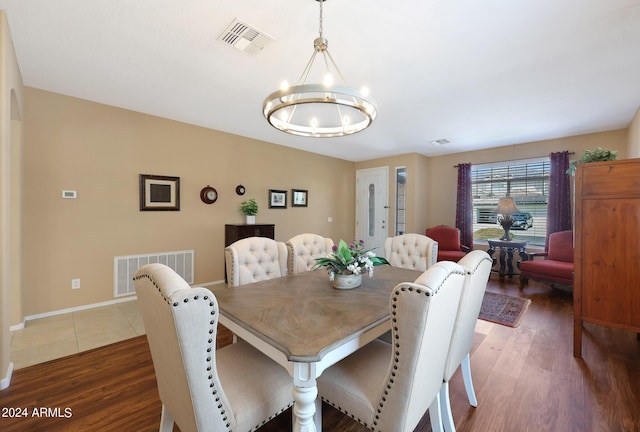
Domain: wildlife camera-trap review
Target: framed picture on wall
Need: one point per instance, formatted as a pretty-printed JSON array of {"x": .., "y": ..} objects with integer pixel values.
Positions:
[
  {"x": 299, "y": 197},
  {"x": 159, "y": 193},
  {"x": 277, "y": 198}
]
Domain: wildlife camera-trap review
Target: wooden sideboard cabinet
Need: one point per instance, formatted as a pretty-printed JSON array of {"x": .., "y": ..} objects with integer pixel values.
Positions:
[
  {"x": 236, "y": 232},
  {"x": 607, "y": 247}
]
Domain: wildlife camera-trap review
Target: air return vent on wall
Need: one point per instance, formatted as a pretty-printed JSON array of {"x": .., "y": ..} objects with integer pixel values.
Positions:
[
  {"x": 124, "y": 267},
  {"x": 244, "y": 37}
]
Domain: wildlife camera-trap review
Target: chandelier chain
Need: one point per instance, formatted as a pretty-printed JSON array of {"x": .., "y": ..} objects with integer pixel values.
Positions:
[{"x": 320, "y": 30}]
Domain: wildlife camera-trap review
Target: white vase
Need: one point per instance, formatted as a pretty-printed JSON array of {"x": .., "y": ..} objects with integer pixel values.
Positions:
[
  {"x": 347, "y": 281},
  {"x": 251, "y": 220}
]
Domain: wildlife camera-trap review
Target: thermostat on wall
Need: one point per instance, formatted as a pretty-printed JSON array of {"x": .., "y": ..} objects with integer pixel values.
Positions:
[{"x": 69, "y": 194}]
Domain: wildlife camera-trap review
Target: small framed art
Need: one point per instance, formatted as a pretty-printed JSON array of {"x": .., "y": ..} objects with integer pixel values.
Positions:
[
  {"x": 159, "y": 193},
  {"x": 277, "y": 198},
  {"x": 299, "y": 197}
]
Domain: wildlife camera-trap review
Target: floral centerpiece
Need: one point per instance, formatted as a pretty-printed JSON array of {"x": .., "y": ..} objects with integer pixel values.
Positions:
[{"x": 349, "y": 260}]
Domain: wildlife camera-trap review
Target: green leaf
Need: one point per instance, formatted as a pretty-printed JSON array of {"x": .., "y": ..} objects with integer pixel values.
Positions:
[
  {"x": 344, "y": 252},
  {"x": 376, "y": 260}
]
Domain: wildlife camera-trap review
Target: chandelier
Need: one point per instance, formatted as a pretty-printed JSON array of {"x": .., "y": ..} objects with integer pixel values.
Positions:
[{"x": 322, "y": 109}]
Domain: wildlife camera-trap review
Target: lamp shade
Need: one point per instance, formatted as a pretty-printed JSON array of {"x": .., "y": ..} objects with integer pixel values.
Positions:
[{"x": 506, "y": 206}]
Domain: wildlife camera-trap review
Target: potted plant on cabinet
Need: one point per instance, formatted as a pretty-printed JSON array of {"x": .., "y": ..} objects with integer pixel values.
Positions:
[
  {"x": 597, "y": 155},
  {"x": 249, "y": 208}
]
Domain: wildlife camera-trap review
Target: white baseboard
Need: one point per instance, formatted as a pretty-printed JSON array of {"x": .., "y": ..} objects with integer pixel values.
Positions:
[
  {"x": 17, "y": 326},
  {"x": 4, "y": 383},
  {"x": 210, "y": 284},
  {"x": 96, "y": 305},
  {"x": 78, "y": 308}
]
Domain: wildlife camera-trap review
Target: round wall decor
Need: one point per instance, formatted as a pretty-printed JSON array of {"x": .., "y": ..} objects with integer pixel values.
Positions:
[{"x": 208, "y": 195}]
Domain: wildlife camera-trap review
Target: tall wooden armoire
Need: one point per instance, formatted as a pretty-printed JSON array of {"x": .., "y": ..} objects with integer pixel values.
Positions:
[{"x": 607, "y": 247}]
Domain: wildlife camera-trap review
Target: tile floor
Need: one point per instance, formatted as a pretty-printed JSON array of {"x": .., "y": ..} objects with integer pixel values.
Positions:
[{"x": 58, "y": 336}]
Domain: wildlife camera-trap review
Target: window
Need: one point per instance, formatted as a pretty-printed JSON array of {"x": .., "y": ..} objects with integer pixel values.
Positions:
[
  {"x": 401, "y": 198},
  {"x": 372, "y": 210},
  {"x": 527, "y": 181}
]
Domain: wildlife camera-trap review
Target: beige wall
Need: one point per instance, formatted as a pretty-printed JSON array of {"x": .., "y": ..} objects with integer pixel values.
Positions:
[
  {"x": 432, "y": 182},
  {"x": 444, "y": 177},
  {"x": 10, "y": 193},
  {"x": 99, "y": 151},
  {"x": 633, "y": 148}
]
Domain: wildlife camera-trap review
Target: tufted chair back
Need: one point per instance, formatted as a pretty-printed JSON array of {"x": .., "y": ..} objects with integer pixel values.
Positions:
[
  {"x": 303, "y": 249},
  {"x": 477, "y": 265},
  {"x": 411, "y": 251},
  {"x": 254, "y": 259},
  {"x": 388, "y": 388},
  {"x": 181, "y": 325}
]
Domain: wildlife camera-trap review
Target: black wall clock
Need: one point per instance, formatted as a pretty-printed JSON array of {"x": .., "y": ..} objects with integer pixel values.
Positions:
[
  {"x": 208, "y": 195},
  {"x": 240, "y": 190}
]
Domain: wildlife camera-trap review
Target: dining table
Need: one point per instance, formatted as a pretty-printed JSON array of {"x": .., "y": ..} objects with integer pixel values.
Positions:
[{"x": 304, "y": 324}]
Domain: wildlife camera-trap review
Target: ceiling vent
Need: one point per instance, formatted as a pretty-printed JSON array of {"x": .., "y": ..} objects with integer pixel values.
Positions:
[
  {"x": 244, "y": 37},
  {"x": 440, "y": 142}
]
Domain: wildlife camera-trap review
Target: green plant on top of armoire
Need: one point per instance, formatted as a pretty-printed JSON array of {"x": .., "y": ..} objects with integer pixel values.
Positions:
[{"x": 597, "y": 155}]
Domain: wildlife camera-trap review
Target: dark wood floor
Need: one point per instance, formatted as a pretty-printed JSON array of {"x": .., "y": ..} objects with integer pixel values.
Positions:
[{"x": 526, "y": 379}]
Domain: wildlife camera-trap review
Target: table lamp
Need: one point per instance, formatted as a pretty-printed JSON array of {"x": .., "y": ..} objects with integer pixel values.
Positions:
[{"x": 506, "y": 207}]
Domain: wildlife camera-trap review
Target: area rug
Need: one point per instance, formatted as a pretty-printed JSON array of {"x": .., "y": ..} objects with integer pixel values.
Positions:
[{"x": 503, "y": 309}]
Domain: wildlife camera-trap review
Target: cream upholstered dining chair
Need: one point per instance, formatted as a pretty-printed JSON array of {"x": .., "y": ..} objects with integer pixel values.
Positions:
[
  {"x": 303, "y": 249},
  {"x": 477, "y": 264},
  {"x": 389, "y": 387},
  {"x": 233, "y": 388},
  {"x": 254, "y": 259},
  {"x": 411, "y": 251}
]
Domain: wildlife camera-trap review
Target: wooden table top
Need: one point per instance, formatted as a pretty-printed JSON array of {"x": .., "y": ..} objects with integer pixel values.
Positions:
[{"x": 304, "y": 317}]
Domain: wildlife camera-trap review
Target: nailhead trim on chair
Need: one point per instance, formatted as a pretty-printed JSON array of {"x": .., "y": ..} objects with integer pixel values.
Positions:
[
  {"x": 233, "y": 265},
  {"x": 396, "y": 348},
  {"x": 210, "y": 341},
  {"x": 396, "y": 354}
]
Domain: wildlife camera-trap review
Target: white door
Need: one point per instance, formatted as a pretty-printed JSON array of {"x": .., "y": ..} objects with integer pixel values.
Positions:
[{"x": 372, "y": 210}]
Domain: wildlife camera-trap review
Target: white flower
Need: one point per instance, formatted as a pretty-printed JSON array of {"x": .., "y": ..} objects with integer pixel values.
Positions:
[{"x": 354, "y": 269}]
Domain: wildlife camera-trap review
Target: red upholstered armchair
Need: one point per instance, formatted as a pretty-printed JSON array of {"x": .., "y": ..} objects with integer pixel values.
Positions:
[
  {"x": 448, "y": 238},
  {"x": 556, "y": 268}
]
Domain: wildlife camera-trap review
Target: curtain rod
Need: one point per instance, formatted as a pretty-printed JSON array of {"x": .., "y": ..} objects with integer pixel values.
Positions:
[{"x": 510, "y": 160}]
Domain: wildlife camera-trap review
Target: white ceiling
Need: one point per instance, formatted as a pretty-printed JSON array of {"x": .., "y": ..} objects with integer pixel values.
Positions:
[{"x": 478, "y": 73}]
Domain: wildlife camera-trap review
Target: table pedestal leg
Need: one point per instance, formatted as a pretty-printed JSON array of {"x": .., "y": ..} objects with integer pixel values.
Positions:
[
  {"x": 510, "y": 262},
  {"x": 305, "y": 393}
]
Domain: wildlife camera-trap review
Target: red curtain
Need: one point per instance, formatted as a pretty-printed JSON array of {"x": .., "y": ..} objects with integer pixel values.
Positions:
[
  {"x": 559, "y": 206},
  {"x": 464, "y": 205}
]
